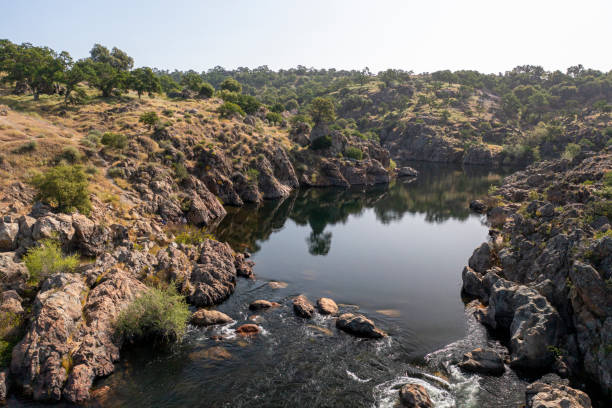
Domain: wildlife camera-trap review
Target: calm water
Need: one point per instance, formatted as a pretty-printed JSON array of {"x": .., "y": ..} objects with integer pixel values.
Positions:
[{"x": 393, "y": 253}]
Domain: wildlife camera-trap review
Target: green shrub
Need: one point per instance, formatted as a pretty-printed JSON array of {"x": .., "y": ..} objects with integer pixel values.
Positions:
[
  {"x": 274, "y": 117},
  {"x": 207, "y": 90},
  {"x": 571, "y": 150},
  {"x": 291, "y": 104},
  {"x": 114, "y": 172},
  {"x": 149, "y": 119},
  {"x": 92, "y": 140},
  {"x": 47, "y": 259},
  {"x": 277, "y": 108},
  {"x": 114, "y": 140},
  {"x": 321, "y": 143},
  {"x": 607, "y": 179},
  {"x": 353, "y": 153},
  {"x": 180, "y": 171},
  {"x": 65, "y": 187},
  {"x": 168, "y": 112},
  {"x": 70, "y": 155},
  {"x": 253, "y": 175},
  {"x": 230, "y": 84},
  {"x": 156, "y": 314},
  {"x": 229, "y": 109},
  {"x": 26, "y": 147},
  {"x": 190, "y": 235}
]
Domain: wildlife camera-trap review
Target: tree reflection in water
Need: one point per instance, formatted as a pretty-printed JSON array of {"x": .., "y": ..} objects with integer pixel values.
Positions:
[{"x": 441, "y": 192}]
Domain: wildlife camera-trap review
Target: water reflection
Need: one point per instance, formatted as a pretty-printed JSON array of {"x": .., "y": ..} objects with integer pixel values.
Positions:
[{"x": 440, "y": 193}]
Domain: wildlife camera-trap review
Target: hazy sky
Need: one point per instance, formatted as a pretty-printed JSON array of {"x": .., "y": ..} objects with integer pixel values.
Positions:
[{"x": 425, "y": 35}]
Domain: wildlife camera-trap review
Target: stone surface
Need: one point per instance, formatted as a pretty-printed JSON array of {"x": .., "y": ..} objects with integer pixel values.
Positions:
[
  {"x": 483, "y": 361},
  {"x": 205, "y": 317},
  {"x": 302, "y": 307},
  {"x": 542, "y": 395},
  {"x": 262, "y": 304},
  {"x": 415, "y": 396},
  {"x": 327, "y": 306},
  {"x": 8, "y": 235},
  {"x": 359, "y": 326},
  {"x": 248, "y": 329}
]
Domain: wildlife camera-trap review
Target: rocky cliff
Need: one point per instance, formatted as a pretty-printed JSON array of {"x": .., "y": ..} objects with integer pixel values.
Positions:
[{"x": 545, "y": 276}]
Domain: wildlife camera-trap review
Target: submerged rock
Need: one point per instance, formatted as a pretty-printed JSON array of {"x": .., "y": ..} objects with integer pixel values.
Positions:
[
  {"x": 262, "y": 304},
  {"x": 205, "y": 317},
  {"x": 302, "y": 307},
  {"x": 359, "y": 326},
  {"x": 415, "y": 396},
  {"x": 483, "y": 361},
  {"x": 407, "y": 172},
  {"x": 327, "y": 306},
  {"x": 248, "y": 329}
]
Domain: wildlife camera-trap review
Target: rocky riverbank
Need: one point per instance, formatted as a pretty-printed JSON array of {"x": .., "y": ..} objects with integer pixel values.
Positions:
[{"x": 545, "y": 279}]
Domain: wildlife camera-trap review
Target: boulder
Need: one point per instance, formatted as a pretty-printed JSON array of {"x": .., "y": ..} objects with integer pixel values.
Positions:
[
  {"x": 302, "y": 307},
  {"x": 591, "y": 288},
  {"x": 38, "y": 360},
  {"x": 90, "y": 239},
  {"x": 533, "y": 323},
  {"x": 406, "y": 172},
  {"x": 213, "y": 278},
  {"x": 483, "y": 361},
  {"x": 13, "y": 275},
  {"x": 55, "y": 226},
  {"x": 8, "y": 235},
  {"x": 327, "y": 306},
  {"x": 415, "y": 396},
  {"x": 478, "y": 207},
  {"x": 97, "y": 344},
  {"x": 543, "y": 395},
  {"x": 262, "y": 304},
  {"x": 480, "y": 260},
  {"x": 248, "y": 330},
  {"x": 359, "y": 326},
  {"x": 205, "y": 317}
]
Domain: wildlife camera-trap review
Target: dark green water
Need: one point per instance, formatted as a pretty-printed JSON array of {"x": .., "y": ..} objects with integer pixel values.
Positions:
[{"x": 393, "y": 253}]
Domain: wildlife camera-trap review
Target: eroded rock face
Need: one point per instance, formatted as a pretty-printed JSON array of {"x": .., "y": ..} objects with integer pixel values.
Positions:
[
  {"x": 98, "y": 346},
  {"x": 8, "y": 235},
  {"x": 39, "y": 360},
  {"x": 359, "y": 326},
  {"x": 532, "y": 321},
  {"x": 213, "y": 278},
  {"x": 13, "y": 274},
  {"x": 415, "y": 396},
  {"x": 302, "y": 307}
]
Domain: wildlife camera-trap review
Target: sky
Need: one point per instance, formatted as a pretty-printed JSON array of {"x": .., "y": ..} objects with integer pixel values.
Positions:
[{"x": 424, "y": 36}]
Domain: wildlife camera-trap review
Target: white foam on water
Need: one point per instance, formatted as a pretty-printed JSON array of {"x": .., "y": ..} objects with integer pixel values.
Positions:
[
  {"x": 353, "y": 376},
  {"x": 387, "y": 393}
]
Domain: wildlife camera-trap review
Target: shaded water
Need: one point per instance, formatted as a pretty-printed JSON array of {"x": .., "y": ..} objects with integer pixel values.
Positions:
[{"x": 393, "y": 253}]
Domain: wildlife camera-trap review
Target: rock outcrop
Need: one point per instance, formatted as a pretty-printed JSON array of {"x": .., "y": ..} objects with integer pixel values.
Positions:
[
  {"x": 359, "y": 326},
  {"x": 415, "y": 396},
  {"x": 205, "y": 317},
  {"x": 483, "y": 361},
  {"x": 302, "y": 307}
]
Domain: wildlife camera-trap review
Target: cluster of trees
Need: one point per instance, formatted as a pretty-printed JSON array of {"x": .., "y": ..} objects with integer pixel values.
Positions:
[{"x": 44, "y": 71}]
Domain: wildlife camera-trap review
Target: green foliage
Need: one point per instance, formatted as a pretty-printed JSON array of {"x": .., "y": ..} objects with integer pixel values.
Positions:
[
  {"x": 47, "y": 259},
  {"x": 277, "y": 107},
  {"x": 607, "y": 179},
  {"x": 571, "y": 150},
  {"x": 206, "y": 90},
  {"x": 190, "y": 235},
  {"x": 229, "y": 109},
  {"x": 64, "y": 186},
  {"x": 274, "y": 117},
  {"x": 321, "y": 143},
  {"x": 322, "y": 110},
  {"x": 149, "y": 119},
  {"x": 107, "y": 70},
  {"x": 156, "y": 314},
  {"x": 180, "y": 171},
  {"x": 247, "y": 103},
  {"x": 114, "y": 140},
  {"x": 353, "y": 153},
  {"x": 70, "y": 155},
  {"x": 114, "y": 172},
  {"x": 27, "y": 147},
  {"x": 168, "y": 84},
  {"x": 144, "y": 80},
  {"x": 230, "y": 84},
  {"x": 253, "y": 175},
  {"x": 291, "y": 104},
  {"x": 192, "y": 81}
]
